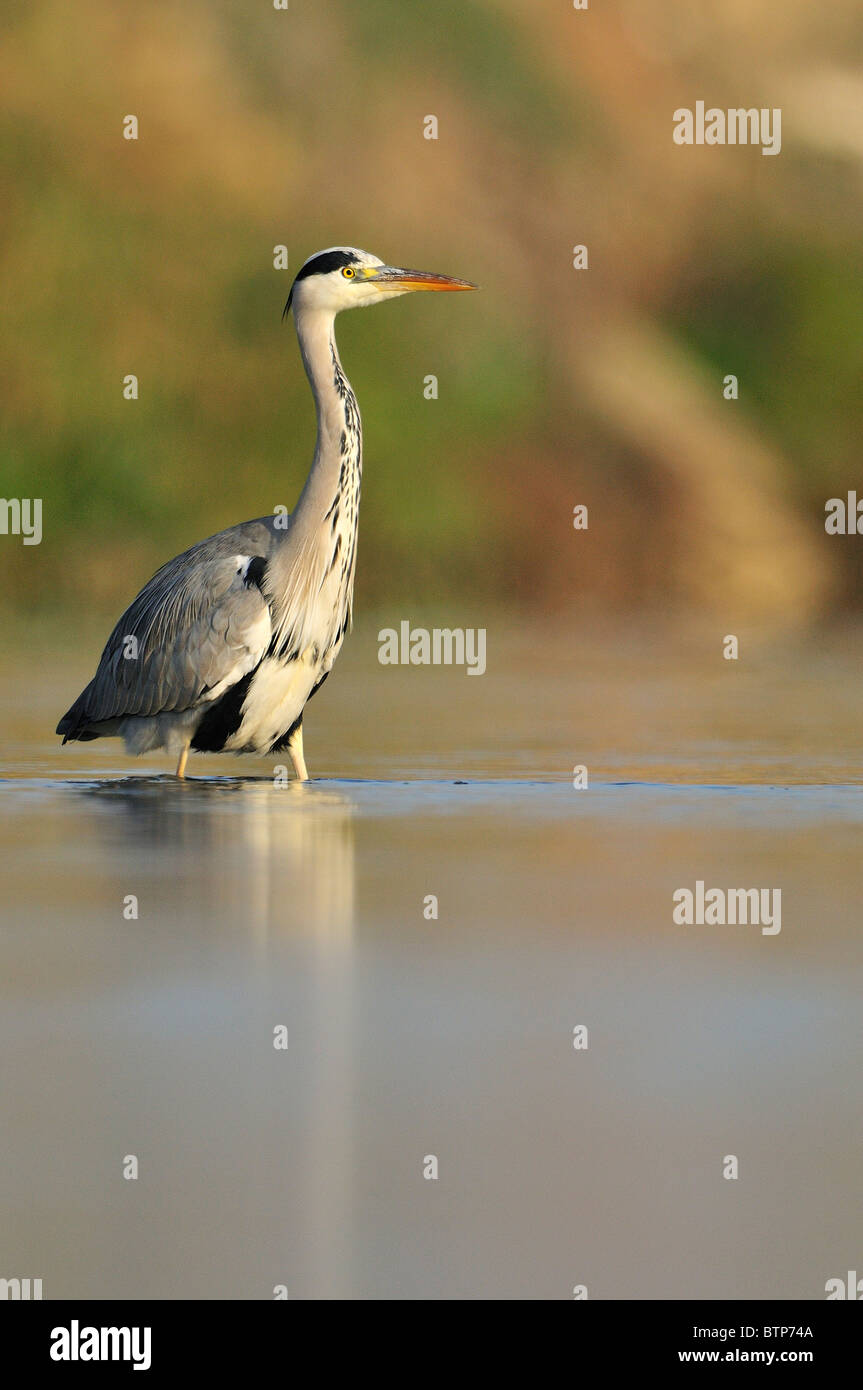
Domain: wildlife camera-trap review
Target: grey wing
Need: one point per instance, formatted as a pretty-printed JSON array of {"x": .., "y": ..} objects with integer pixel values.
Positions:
[{"x": 197, "y": 627}]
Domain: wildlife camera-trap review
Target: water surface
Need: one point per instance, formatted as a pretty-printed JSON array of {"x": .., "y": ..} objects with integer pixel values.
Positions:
[{"x": 261, "y": 905}]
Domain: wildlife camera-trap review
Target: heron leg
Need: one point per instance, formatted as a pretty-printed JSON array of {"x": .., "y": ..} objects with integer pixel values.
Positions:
[
  {"x": 295, "y": 748},
  {"x": 181, "y": 764}
]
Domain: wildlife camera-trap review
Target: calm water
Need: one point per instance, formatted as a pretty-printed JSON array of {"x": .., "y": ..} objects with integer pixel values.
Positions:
[{"x": 302, "y": 906}]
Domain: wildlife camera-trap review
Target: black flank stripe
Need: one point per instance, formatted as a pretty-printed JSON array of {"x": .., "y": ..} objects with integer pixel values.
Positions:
[
  {"x": 223, "y": 718},
  {"x": 255, "y": 572},
  {"x": 281, "y": 743}
]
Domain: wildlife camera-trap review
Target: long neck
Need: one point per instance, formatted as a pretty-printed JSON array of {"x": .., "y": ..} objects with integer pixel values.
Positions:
[{"x": 338, "y": 451}]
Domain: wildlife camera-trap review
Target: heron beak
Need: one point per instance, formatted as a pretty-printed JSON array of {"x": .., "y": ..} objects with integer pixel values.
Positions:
[{"x": 390, "y": 277}]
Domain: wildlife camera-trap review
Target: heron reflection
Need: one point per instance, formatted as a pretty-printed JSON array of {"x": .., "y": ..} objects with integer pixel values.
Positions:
[{"x": 259, "y": 880}]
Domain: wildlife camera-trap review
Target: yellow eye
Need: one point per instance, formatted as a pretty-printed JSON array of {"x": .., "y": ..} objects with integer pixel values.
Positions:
[{"x": 348, "y": 272}]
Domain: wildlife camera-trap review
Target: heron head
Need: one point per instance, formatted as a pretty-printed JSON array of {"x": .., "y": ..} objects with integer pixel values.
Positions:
[{"x": 344, "y": 278}]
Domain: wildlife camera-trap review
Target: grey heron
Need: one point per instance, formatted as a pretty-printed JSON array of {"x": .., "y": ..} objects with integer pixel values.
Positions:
[{"x": 224, "y": 646}]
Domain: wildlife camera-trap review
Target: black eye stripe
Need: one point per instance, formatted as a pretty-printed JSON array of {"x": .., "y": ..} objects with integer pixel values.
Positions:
[{"x": 321, "y": 265}]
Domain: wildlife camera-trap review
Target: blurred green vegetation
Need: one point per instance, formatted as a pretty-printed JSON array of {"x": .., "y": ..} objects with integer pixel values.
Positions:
[{"x": 260, "y": 127}]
